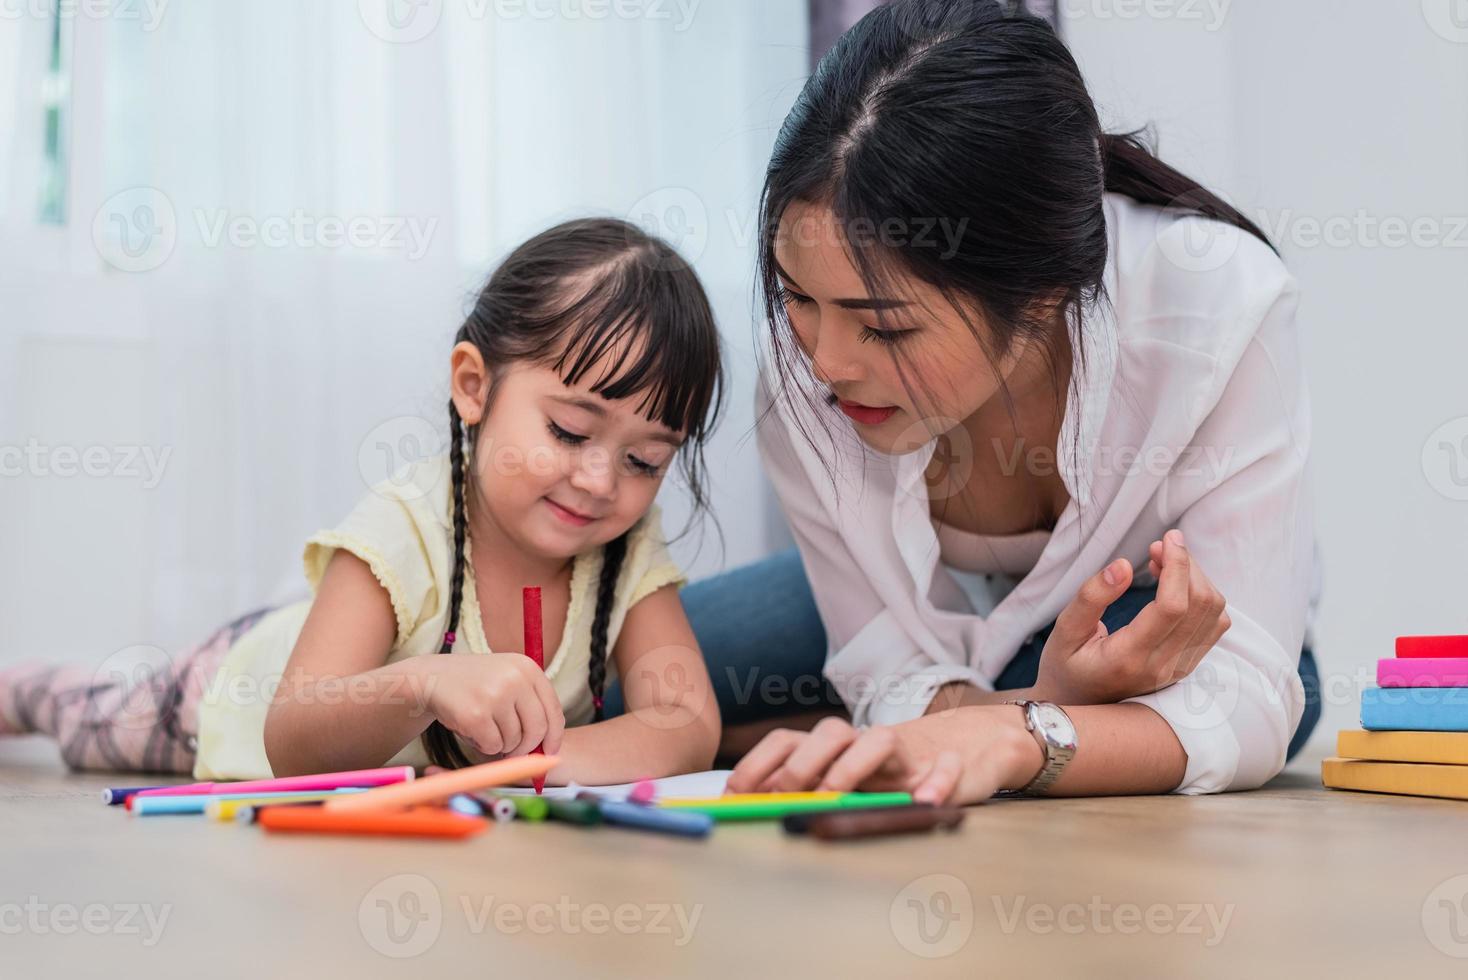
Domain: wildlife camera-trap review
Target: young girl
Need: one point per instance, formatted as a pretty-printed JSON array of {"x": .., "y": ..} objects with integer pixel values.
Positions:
[{"x": 589, "y": 362}]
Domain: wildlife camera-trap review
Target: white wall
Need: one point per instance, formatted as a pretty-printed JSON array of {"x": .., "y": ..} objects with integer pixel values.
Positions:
[
  {"x": 1312, "y": 110},
  {"x": 271, "y": 375}
]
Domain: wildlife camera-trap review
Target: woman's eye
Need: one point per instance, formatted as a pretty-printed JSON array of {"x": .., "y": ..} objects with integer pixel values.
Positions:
[
  {"x": 790, "y": 297},
  {"x": 563, "y": 435},
  {"x": 642, "y": 466},
  {"x": 888, "y": 337}
]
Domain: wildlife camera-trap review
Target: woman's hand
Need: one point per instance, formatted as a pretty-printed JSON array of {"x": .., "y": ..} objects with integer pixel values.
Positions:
[
  {"x": 1083, "y": 663},
  {"x": 962, "y": 756},
  {"x": 500, "y": 703}
]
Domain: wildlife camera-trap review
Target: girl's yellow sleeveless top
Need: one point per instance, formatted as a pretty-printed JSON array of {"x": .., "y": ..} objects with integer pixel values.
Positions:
[{"x": 403, "y": 530}]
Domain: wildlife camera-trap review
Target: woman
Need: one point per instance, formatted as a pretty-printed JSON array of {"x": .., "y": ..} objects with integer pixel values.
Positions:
[{"x": 1034, "y": 444}]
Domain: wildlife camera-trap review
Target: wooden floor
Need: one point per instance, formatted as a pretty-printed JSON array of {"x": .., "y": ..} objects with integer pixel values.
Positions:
[{"x": 1290, "y": 881}]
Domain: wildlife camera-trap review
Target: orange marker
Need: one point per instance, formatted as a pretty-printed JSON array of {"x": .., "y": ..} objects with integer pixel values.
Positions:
[
  {"x": 441, "y": 785},
  {"x": 534, "y": 647},
  {"x": 419, "y": 821}
]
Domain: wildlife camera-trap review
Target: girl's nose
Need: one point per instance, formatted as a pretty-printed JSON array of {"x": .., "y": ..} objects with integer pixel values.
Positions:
[{"x": 594, "y": 473}]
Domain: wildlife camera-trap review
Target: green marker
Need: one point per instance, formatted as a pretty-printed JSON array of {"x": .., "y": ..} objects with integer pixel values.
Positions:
[
  {"x": 736, "y": 809},
  {"x": 574, "y": 811}
]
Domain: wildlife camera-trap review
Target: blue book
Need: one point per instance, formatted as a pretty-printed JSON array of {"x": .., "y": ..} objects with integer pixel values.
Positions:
[{"x": 1418, "y": 709}]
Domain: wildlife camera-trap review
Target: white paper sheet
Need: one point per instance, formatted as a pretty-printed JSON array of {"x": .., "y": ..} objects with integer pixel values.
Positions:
[{"x": 691, "y": 784}]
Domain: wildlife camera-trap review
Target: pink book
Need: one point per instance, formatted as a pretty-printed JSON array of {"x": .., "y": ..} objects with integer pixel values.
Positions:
[
  {"x": 1423, "y": 672},
  {"x": 320, "y": 781}
]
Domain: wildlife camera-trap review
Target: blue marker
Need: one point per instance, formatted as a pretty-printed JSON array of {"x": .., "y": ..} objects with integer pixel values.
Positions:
[
  {"x": 466, "y": 804},
  {"x": 685, "y": 823},
  {"x": 118, "y": 795}
]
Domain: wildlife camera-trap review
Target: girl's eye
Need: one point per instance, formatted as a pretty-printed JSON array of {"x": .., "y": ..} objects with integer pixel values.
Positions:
[
  {"x": 562, "y": 435},
  {"x": 888, "y": 337},
  {"x": 790, "y": 297},
  {"x": 643, "y": 467}
]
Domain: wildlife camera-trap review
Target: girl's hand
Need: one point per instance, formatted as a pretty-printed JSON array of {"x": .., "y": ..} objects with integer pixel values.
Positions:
[
  {"x": 997, "y": 753},
  {"x": 500, "y": 703},
  {"x": 1083, "y": 663}
]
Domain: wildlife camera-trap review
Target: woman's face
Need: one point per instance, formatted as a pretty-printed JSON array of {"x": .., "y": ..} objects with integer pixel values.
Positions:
[{"x": 921, "y": 340}]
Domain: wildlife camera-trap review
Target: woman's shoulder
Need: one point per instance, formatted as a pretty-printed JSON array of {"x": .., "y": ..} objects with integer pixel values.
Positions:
[{"x": 1200, "y": 285}]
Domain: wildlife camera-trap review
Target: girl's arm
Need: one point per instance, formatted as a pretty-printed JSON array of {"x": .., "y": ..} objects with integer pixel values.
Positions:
[
  {"x": 672, "y": 721},
  {"x": 340, "y": 706}
]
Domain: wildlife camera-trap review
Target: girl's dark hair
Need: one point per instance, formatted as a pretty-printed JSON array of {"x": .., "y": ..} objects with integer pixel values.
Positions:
[
  {"x": 955, "y": 142},
  {"x": 593, "y": 294}
]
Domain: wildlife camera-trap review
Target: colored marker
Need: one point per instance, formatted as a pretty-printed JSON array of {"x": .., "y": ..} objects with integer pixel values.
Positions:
[
  {"x": 526, "y": 807},
  {"x": 250, "y": 812},
  {"x": 118, "y": 795},
  {"x": 156, "y": 806},
  {"x": 463, "y": 803},
  {"x": 501, "y": 809},
  {"x": 420, "y": 821},
  {"x": 534, "y": 647},
  {"x": 574, "y": 811},
  {"x": 873, "y": 822},
  {"x": 733, "y": 808},
  {"x": 294, "y": 784},
  {"x": 219, "y": 808},
  {"x": 683, "y": 823},
  {"x": 441, "y": 785},
  {"x": 643, "y": 793},
  {"x": 802, "y": 797}
]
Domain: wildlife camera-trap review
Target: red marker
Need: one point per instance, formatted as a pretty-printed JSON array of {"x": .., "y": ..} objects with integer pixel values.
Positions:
[{"x": 534, "y": 648}]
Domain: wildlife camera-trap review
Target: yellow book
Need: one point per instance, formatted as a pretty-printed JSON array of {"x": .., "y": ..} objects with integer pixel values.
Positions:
[
  {"x": 1401, "y": 778},
  {"x": 1448, "y": 748}
]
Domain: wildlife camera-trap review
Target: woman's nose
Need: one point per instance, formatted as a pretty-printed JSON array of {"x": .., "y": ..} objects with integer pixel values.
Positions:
[{"x": 832, "y": 358}]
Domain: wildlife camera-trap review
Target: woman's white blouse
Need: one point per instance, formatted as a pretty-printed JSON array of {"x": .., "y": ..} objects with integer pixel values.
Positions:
[{"x": 1192, "y": 412}]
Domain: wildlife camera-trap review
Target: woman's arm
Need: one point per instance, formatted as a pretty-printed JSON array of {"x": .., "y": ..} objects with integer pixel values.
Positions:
[
  {"x": 339, "y": 706},
  {"x": 672, "y": 720}
]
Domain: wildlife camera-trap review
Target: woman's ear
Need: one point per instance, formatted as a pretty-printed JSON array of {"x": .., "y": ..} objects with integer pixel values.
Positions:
[{"x": 469, "y": 382}]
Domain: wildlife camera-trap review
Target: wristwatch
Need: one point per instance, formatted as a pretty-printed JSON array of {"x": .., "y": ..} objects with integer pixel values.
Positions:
[{"x": 1053, "y": 729}]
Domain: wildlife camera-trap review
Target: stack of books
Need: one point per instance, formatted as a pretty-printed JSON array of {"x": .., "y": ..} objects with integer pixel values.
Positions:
[{"x": 1414, "y": 725}]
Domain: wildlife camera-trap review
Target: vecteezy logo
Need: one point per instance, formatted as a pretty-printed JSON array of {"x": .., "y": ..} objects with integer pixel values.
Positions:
[
  {"x": 392, "y": 452},
  {"x": 1445, "y": 917},
  {"x": 401, "y": 916},
  {"x": 135, "y": 230},
  {"x": 676, "y": 215},
  {"x": 400, "y": 21},
  {"x": 1445, "y": 458},
  {"x": 1447, "y": 18},
  {"x": 933, "y": 916}
]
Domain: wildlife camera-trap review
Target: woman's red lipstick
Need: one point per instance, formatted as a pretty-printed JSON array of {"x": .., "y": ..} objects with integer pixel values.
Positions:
[{"x": 866, "y": 414}]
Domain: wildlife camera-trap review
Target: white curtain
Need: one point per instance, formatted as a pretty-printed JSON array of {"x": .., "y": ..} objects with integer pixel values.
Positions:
[{"x": 276, "y": 214}]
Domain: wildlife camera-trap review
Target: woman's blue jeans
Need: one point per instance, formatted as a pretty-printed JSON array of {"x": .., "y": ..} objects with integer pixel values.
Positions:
[{"x": 764, "y": 644}]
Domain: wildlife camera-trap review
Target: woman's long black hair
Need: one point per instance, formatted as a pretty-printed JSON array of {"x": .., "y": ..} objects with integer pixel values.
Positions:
[
  {"x": 961, "y": 137},
  {"x": 594, "y": 294}
]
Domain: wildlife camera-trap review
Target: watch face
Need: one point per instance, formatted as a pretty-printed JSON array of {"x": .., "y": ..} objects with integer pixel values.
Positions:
[{"x": 1055, "y": 725}]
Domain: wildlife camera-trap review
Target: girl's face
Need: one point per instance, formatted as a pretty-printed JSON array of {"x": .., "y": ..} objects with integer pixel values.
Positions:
[
  {"x": 558, "y": 469},
  {"x": 835, "y": 323}
]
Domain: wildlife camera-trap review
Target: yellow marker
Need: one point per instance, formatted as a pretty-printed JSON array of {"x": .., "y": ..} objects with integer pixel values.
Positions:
[
  {"x": 225, "y": 809},
  {"x": 817, "y": 796}
]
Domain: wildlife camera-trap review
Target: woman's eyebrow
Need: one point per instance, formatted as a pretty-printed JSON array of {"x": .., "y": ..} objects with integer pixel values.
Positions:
[
  {"x": 872, "y": 303},
  {"x": 599, "y": 409}
]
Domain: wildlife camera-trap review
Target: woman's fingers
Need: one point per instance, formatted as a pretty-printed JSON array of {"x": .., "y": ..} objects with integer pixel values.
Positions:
[
  {"x": 805, "y": 767},
  {"x": 1194, "y": 635},
  {"x": 762, "y": 760},
  {"x": 875, "y": 749},
  {"x": 1161, "y": 617},
  {"x": 938, "y": 785}
]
